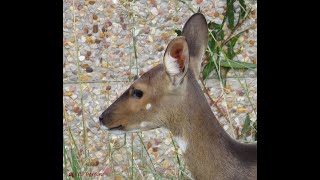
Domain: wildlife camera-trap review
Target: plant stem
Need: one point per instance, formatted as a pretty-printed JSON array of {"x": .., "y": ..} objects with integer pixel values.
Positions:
[{"x": 235, "y": 28}]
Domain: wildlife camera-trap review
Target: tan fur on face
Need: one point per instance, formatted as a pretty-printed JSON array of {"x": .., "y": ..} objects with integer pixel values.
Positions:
[{"x": 130, "y": 112}]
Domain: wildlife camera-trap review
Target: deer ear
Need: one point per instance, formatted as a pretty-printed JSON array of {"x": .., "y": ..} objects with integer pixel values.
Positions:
[
  {"x": 176, "y": 60},
  {"x": 196, "y": 33}
]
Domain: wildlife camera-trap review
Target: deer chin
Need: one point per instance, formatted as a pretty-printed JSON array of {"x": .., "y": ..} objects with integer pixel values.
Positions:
[
  {"x": 119, "y": 130},
  {"x": 122, "y": 130}
]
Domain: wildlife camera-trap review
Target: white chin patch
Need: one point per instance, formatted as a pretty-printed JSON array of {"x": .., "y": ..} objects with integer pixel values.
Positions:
[
  {"x": 144, "y": 124},
  {"x": 148, "y": 106},
  {"x": 182, "y": 143},
  {"x": 103, "y": 127},
  {"x": 118, "y": 132},
  {"x": 115, "y": 131}
]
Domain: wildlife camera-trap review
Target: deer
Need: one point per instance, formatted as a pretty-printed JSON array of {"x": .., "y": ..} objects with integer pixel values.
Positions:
[{"x": 169, "y": 96}]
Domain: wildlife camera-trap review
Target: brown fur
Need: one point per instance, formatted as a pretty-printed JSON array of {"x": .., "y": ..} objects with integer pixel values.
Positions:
[{"x": 182, "y": 108}]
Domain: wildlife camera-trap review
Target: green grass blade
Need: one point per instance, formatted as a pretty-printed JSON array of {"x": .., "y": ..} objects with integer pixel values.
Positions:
[
  {"x": 243, "y": 9},
  {"x": 246, "y": 126},
  {"x": 237, "y": 64},
  {"x": 207, "y": 69},
  {"x": 213, "y": 25},
  {"x": 231, "y": 54},
  {"x": 75, "y": 165},
  {"x": 230, "y": 13}
]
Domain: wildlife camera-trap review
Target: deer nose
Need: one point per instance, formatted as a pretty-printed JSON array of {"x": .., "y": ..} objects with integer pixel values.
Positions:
[{"x": 101, "y": 118}]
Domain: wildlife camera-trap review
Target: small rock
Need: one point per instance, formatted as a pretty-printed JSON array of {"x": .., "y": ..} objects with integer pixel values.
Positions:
[
  {"x": 100, "y": 8},
  {"x": 146, "y": 30},
  {"x": 85, "y": 30},
  {"x": 109, "y": 23},
  {"x": 88, "y": 54},
  {"x": 80, "y": 7},
  {"x": 95, "y": 28},
  {"x": 95, "y": 17},
  {"x": 94, "y": 162},
  {"x": 241, "y": 110},
  {"x": 76, "y": 109},
  {"x": 74, "y": 96},
  {"x": 73, "y": 88},
  {"x": 99, "y": 154},
  {"x": 92, "y": 2},
  {"x": 84, "y": 66},
  {"x": 108, "y": 88},
  {"x": 225, "y": 127},
  {"x": 221, "y": 4},
  {"x": 107, "y": 170},
  {"x": 81, "y": 58},
  {"x": 68, "y": 93},
  {"x": 153, "y": 30},
  {"x": 154, "y": 11},
  {"x": 199, "y": 1},
  {"x": 89, "y": 69},
  {"x": 83, "y": 39},
  {"x": 85, "y": 96},
  {"x": 124, "y": 26},
  {"x": 118, "y": 157}
]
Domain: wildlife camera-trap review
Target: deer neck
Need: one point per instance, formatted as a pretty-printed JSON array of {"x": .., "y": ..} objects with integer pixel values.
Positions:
[{"x": 204, "y": 143}]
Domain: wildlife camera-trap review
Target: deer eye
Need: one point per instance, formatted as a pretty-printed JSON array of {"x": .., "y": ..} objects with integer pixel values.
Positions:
[{"x": 137, "y": 93}]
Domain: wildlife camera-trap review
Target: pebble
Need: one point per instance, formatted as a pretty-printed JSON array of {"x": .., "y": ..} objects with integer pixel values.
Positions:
[{"x": 81, "y": 58}]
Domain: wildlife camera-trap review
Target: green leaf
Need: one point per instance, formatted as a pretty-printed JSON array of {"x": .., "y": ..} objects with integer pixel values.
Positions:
[
  {"x": 213, "y": 25},
  {"x": 208, "y": 69},
  {"x": 217, "y": 34},
  {"x": 220, "y": 35},
  {"x": 234, "y": 40},
  {"x": 230, "y": 13},
  {"x": 237, "y": 64},
  {"x": 231, "y": 54},
  {"x": 178, "y": 32},
  {"x": 246, "y": 126},
  {"x": 212, "y": 42},
  {"x": 218, "y": 71},
  {"x": 242, "y": 11}
]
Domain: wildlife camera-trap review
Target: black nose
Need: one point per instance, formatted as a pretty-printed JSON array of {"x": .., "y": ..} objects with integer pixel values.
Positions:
[{"x": 101, "y": 118}]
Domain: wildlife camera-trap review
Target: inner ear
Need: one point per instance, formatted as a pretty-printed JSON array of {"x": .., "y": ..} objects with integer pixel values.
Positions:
[
  {"x": 177, "y": 53},
  {"x": 176, "y": 59}
]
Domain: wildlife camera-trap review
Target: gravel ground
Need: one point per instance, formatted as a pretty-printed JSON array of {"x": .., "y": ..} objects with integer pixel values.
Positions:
[{"x": 102, "y": 39}]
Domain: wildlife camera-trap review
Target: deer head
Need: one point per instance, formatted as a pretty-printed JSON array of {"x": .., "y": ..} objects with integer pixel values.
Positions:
[{"x": 161, "y": 96}]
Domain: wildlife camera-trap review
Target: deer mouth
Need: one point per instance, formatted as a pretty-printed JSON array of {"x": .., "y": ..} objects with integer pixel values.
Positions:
[{"x": 120, "y": 127}]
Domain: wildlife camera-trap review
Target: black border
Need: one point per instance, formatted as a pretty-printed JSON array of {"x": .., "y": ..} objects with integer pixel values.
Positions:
[
  {"x": 33, "y": 85},
  {"x": 285, "y": 128}
]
